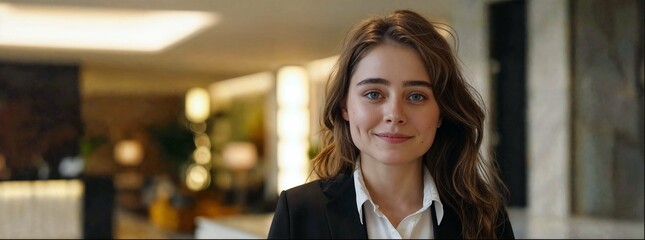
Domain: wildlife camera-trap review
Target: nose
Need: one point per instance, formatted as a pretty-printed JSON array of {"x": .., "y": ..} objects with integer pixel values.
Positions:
[{"x": 394, "y": 112}]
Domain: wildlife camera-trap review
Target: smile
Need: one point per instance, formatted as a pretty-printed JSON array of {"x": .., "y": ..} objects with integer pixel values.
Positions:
[{"x": 393, "y": 137}]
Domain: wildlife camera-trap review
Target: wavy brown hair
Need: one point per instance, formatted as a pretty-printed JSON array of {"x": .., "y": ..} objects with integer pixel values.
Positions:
[{"x": 466, "y": 182}]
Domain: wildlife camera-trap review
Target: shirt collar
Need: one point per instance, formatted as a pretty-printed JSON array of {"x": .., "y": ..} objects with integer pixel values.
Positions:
[{"x": 430, "y": 193}]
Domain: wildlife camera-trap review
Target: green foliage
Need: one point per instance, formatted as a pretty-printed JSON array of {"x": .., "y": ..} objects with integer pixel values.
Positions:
[
  {"x": 89, "y": 144},
  {"x": 175, "y": 143},
  {"x": 314, "y": 149}
]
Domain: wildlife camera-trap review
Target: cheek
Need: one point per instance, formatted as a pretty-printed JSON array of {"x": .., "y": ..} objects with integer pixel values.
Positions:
[
  {"x": 428, "y": 138},
  {"x": 362, "y": 116},
  {"x": 361, "y": 122},
  {"x": 429, "y": 123}
]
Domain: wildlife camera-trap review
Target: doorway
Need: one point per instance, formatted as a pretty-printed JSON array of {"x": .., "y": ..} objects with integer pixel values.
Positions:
[{"x": 507, "y": 33}]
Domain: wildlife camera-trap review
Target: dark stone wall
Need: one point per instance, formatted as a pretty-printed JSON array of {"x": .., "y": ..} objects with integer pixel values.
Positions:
[
  {"x": 40, "y": 121},
  {"x": 607, "y": 50}
]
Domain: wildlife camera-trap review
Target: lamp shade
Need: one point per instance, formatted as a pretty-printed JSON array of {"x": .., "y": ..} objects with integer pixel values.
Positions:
[
  {"x": 240, "y": 155},
  {"x": 128, "y": 152}
]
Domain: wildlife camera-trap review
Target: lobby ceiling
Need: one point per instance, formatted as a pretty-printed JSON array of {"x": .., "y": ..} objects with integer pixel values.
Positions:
[{"x": 251, "y": 35}]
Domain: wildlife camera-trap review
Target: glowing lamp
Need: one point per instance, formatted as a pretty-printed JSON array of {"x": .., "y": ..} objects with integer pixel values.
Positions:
[
  {"x": 240, "y": 155},
  {"x": 197, "y": 105},
  {"x": 128, "y": 152},
  {"x": 293, "y": 126},
  {"x": 197, "y": 177}
]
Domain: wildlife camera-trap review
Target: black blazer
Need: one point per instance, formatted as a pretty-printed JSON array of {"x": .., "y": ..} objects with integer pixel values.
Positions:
[{"x": 327, "y": 209}]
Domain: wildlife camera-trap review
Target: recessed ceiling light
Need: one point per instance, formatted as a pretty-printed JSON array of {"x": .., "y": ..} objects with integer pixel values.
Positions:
[{"x": 98, "y": 28}]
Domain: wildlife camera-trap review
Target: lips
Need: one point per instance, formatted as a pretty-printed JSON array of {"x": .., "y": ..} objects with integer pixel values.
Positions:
[{"x": 393, "y": 137}]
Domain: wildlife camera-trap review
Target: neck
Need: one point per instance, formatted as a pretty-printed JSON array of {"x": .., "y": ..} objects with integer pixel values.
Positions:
[
  {"x": 397, "y": 189},
  {"x": 401, "y": 181}
]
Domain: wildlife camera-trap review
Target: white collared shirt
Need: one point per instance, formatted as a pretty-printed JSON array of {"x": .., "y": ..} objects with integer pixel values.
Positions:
[{"x": 417, "y": 225}]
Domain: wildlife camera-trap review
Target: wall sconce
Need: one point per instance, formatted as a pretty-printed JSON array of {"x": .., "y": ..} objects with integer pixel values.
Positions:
[
  {"x": 128, "y": 152},
  {"x": 197, "y": 105}
]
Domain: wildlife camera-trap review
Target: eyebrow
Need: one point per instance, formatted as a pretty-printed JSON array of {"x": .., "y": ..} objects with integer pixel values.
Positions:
[
  {"x": 413, "y": 83},
  {"x": 409, "y": 83},
  {"x": 374, "y": 81}
]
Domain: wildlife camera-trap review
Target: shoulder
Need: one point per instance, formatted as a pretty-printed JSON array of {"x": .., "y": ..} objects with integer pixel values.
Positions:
[
  {"x": 307, "y": 187},
  {"x": 304, "y": 194},
  {"x": 317, "y": 193},
  {"x": 323, "y": 189},
  {"x": 300, "y": 211}
]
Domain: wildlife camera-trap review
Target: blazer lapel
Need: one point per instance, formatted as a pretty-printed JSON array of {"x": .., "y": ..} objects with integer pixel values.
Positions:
[
  {"x": 342, "y": 215},
  {"x": 435, "y": 225}
]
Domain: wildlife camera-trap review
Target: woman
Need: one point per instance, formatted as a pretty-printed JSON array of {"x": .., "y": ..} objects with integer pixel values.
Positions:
[{"x": 401, "y": 140}]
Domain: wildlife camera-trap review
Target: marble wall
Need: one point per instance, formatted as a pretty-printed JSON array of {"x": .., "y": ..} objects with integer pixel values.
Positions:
[
  {"x": 585, "y": 108},
  {"x": 607, "y": 65},
  {"x": 40, "y": 122}
]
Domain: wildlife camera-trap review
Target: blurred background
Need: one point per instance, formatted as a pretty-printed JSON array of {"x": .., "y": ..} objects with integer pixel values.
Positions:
[{"x": 185, "y": 119}]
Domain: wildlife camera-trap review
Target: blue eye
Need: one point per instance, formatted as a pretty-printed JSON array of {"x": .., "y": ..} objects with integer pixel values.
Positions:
[
  {"x": 416, "y": 97},
  {"x": 372, "y": 95}
]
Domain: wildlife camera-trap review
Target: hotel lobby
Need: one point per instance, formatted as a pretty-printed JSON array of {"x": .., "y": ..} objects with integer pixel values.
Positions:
[{"x": 186, "y": 119}]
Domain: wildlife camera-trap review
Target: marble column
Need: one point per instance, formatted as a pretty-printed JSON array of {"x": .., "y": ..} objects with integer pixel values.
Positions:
[{"x": 549, "y": 87}]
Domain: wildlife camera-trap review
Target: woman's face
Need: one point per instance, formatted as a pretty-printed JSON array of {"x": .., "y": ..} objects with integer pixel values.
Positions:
[{"x": 392, "y": 113}]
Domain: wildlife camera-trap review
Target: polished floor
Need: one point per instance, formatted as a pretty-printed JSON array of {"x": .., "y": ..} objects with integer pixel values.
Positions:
[{"x": 525, "y": 226}]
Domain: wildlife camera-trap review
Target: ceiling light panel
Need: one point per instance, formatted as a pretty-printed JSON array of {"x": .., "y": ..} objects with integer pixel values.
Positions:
[{"x": 98, "y": 28}]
